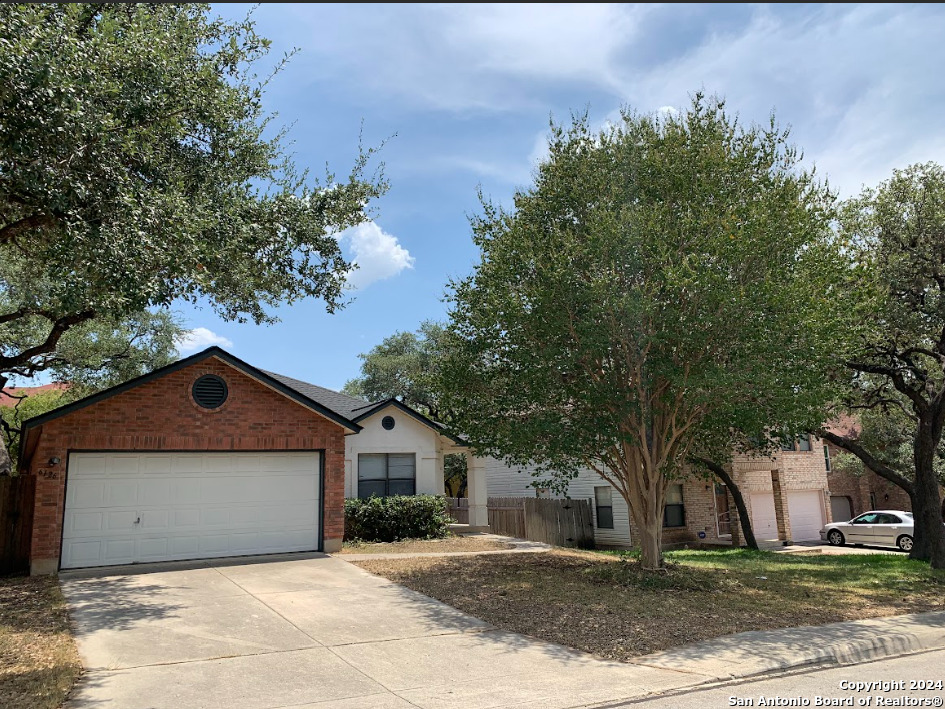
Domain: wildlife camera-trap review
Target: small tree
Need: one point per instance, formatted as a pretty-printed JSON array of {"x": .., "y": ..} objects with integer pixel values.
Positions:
[
  {"x": 656, "y": 274},
  {"x": 897, "y": 231}
]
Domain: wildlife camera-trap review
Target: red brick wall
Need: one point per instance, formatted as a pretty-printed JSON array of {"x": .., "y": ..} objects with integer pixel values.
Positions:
[{"x": 161, "y": 415}]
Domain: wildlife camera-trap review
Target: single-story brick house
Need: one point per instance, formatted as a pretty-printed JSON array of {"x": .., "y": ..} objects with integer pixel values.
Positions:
[
  {"x": 786, "y": 494},
  {"x": 212, "y": 457}
]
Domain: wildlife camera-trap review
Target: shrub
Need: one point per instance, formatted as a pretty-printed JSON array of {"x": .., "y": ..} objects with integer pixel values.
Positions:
[{"x": 389, "y": 519}]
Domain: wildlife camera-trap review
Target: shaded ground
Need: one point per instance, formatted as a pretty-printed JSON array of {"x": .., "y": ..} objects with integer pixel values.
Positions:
[
  {"x": 38, "y": 658},
  {"x": 602, "y": 603},
  {"x": 423, "y": 546}
]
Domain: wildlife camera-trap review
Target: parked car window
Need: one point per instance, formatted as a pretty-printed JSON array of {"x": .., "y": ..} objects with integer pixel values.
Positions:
[
  {"x": 385, "y": 474},
  {"x": 887, "y": 518},
  {"x": 604, "y": 502},
  {"x": 868, "y": 518}
]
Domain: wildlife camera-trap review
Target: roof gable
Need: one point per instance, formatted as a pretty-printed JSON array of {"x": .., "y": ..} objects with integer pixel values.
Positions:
[
  {"x": 368, "y": 410},
  {"x": 264, "y": 378}
]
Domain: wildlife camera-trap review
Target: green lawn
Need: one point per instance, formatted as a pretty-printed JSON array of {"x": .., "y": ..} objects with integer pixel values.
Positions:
[{"x": 603, "y": 603}]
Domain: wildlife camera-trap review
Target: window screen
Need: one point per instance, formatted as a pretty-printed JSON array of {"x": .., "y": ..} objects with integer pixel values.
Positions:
[
  {"x": 604, "y": 503},
  {"x": 386, "y": 474},
  {"x": 674, "y": 514}
]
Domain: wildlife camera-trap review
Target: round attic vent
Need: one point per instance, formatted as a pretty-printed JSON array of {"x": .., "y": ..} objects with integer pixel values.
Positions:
[
  {"x": 387, "y": 422},
  {"x": 209, "y": 391}
]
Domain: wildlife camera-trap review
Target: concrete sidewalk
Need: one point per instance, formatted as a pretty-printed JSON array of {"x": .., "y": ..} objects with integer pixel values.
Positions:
[{"x": 311, "y": 631}]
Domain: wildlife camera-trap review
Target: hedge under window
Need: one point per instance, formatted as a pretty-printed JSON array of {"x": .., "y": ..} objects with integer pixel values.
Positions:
[{"x": 386, "y": 474}]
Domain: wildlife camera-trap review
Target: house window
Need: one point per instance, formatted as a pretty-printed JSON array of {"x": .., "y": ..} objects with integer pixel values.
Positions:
[
  {"x": 827, "y": 458},
  {"x": 604, "y": 503},
  {"x": 674, "y": 514},
  {"x": 386, "y": 474},
  {"x": 803, "y": 442},
  {"x": 787, "y": 444}
]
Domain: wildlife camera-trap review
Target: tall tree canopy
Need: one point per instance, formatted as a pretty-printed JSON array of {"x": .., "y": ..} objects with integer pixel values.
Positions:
[
  {"x": 656, "y": 274},
  {"x": 898, "y": 232},
  {"x": 138, "y": 168},
  {"x": 406, "y": 366}
]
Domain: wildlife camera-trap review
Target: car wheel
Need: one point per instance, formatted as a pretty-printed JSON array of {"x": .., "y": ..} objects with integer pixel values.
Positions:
[
  {"x": 904, "y": 542},
  {"x": 835, "y": 537}
]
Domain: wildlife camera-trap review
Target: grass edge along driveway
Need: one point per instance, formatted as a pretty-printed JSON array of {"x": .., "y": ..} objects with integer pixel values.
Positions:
[{"x": 602, "y": 603}]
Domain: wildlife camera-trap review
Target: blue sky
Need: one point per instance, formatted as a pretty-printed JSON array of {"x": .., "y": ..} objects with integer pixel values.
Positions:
[{"x": 469, "y": 91}]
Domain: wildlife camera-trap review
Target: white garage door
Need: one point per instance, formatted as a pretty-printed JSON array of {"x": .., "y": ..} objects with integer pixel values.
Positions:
[
  {"x": 124, "y": 508},
  {"x": 804, "y": 507},
  {"x": 763, "y": 521}
]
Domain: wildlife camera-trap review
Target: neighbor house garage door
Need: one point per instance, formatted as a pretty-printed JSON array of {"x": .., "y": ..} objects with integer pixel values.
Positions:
[
  {"x": 124, "y": 508},
  {"x": 763, "y": 521},
  {"x": 805, "y": 509}
]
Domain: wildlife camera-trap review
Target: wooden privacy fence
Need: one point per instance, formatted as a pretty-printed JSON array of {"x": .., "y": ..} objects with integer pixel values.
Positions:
[
  {"x": 564, "y": 523},
  {"x": 458, "y": 508},
  {"x": 16, "y": 523}
]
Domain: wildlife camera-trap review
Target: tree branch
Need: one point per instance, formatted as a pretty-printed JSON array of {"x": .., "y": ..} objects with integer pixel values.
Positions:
[
  {"x": 59, "y": 328},
  {"x": 14, "y": 230},
  {"x": 869, "y": 460}
]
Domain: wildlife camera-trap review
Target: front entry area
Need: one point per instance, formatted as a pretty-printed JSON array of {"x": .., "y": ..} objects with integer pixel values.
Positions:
[{"x": 126, "y": 508}]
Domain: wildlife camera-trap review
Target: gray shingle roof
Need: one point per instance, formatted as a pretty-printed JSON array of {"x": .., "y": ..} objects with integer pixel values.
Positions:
[{"x": 347, "y": 406}]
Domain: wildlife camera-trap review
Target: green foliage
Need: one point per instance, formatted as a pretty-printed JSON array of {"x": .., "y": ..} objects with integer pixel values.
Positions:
[
  {"x": 14, "y": 413},
  {"x": 404, "y": 366},
  {"x": 389, "y": 519},
  {"x": 898, "y": 370},
  {"x": 138, "y": 167},
  {"x": 658, "y": 275}
]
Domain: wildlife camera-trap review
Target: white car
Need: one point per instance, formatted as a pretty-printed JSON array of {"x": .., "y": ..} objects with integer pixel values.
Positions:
[{"x": 891, "y": 528}]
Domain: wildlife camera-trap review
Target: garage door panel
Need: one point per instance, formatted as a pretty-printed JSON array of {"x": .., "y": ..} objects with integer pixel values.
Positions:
[
  {"x": 154, "y": 492},
  {"x": 121, "y": 494},
  {"x": 86, "y": 493},
  {"x": 804, "y": 508},
  {"x": 122, "y": 466},
  {"x": 763, "y": 519},
  {"x": 189, "y": 506}
]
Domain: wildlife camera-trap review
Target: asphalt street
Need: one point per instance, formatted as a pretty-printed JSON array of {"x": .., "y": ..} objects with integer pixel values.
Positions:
[{"x": 910, "y": 681}]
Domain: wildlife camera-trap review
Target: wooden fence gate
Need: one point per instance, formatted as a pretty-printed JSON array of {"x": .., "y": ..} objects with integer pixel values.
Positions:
[
  {"x": 16, "y": 523},
  {"x": 458, "y": 509},
  {"x": 563, "y": 523}
]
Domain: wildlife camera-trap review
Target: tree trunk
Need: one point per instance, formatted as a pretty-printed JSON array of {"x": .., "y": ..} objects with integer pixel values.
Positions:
[
  {"x": 646, "y": 510},
  {"x": 651, "y": 544},
  {"x": 744, "y": 518},
  {"x": 927, "y": 504},
  {"x": 920, "y": 545}
]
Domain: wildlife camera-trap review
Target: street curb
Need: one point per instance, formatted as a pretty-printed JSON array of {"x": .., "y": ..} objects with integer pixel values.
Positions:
[{"x": 757, "y": 653}]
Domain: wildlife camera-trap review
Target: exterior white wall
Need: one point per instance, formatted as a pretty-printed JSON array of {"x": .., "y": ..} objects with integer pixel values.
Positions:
[
  {"x": 516, "y": 481},
  {"x": 407, "y": 436}
]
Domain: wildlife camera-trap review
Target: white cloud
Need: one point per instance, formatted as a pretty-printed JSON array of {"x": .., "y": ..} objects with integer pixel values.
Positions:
[
  {"x": 472, "y": 57},
  {"x": 377, "y": 254},
  {"x": 200, "y": 338}
]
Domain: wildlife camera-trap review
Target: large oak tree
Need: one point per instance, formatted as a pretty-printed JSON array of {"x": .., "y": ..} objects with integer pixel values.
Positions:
[
  {"x": 656, "y": 273},
  {"x": 138, "y": 168},
  {"x": 898, "y": 232}
]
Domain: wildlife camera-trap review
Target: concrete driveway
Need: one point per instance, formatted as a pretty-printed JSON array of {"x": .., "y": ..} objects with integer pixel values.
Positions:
[{"x": 315, "y": 632}]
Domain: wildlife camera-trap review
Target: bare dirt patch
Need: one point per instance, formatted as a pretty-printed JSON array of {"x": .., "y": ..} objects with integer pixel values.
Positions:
[
  {"x": 604, "y": 604},
  {"x": 38, "y": 658}
]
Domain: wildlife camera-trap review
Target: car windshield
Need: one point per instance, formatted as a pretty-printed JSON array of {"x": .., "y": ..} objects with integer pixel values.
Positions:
[{"x": 908, "y": 514}]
